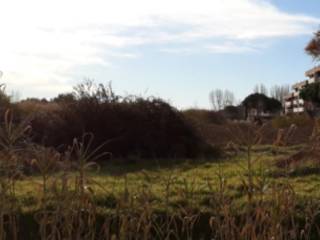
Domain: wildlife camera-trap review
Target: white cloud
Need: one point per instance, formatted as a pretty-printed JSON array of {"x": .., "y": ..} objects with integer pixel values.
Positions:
[
  {"x": 175, "y": 50},
  {"x": 43, "y": 41},
  {"x": 231, "y": 47}
]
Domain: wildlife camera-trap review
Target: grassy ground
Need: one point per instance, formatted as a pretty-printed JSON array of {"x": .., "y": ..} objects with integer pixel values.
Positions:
[{"x": 185, "y": 183}]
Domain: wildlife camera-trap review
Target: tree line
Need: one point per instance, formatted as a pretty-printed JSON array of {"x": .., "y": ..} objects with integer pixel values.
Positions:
[{"x": 220, "y": 99}]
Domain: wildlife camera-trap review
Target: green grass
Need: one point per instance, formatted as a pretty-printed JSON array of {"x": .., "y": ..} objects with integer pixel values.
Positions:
[{"x": 191, "y": 184}]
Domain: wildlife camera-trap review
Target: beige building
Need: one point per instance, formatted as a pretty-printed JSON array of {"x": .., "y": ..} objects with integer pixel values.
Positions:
[{"x": 293, "y": 102}]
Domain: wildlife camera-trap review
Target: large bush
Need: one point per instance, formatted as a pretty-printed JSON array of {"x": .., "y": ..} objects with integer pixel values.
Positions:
[
  {"x": 128, "y": 126},
  {"x": 262, "y": 103}
]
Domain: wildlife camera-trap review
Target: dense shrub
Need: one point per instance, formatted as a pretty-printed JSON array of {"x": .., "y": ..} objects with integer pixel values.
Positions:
[
  {"x": 261, "y": 103},
  {"x": 311, "y": 93},
  {"x": 131, "y": 126}
]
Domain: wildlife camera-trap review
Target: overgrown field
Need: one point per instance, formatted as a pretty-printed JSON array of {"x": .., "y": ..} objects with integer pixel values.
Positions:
[
  {"x": 93, "y": 165},
  {"x": 244, "y": 195},
  {"x": 183, "y": 183}
]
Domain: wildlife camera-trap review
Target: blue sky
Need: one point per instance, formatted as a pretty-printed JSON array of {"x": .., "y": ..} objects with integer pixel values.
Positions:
[{"x": 174, "y": 49}]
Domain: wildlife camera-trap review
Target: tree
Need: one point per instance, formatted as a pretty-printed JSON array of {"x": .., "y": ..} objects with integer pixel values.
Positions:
[
  {"x": 311, "y": 92},
  {"x": 280, "y": 92},
  {"x": 216, "y": 99},
  {"x": 219, "y": 99},
  {"x": 313, "y": 47},
  {"x": 229, "y": 98},
  {"x": 212, "y": 100},
  {"x": 261, "y": 103},
  {"x": 260, "y": 88}
]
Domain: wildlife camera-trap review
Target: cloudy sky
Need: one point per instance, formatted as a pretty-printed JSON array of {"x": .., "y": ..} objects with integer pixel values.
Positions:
[{"x": 174, "y": 49}]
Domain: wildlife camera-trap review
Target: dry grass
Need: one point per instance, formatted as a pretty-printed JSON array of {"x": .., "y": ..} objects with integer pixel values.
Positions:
[{"x": 68, "y": 196}]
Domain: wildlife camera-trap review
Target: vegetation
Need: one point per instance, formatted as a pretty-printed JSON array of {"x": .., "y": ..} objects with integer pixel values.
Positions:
[
  {"x": 204, "y": 116},
  {"x": 311, "y": 92},
  {"x": 233, "y": 112},
  {"x": 280, "y": 92},
  {"x": 224, "y": 102},
  {"x": 220, "y": 99},
  {"x": 81, "y": 191},
  {"x": 313, "y": 47},
  {"x": 311, "y": 95},
  {"x": 94, "y": 165},
  {"x": 261, "y": 103},
  {"x": 130, "y": 126},
  {"x": 287, "y": 121},
  {"x": 245, "y": 195}
]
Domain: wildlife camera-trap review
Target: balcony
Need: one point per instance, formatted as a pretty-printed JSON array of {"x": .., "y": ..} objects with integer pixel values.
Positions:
[
  {"x": 298, "y": 102},
  {"x": 288, "y": 104}
]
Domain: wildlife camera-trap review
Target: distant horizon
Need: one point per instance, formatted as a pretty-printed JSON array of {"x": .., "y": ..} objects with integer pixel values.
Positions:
[{"x": 176, "y": 50}]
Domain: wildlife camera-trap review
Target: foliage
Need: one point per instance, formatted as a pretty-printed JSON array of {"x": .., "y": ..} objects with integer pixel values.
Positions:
[
  {"x": 260, "y": 88},
  {"x": 286, "y": 121},
  {"x": 280, "y": 92},
  {"x": 262, "y": 103},
  {"x": 234, "y": 199},
  {"x": 313, "y": 47},
  {"x": 131, "y": 126},
  {"x": 311, "y": 93},
  {"x": 219, "y": 99},
  {"x": 233, "y": 112},
  {"x": 101, "y": 93}
]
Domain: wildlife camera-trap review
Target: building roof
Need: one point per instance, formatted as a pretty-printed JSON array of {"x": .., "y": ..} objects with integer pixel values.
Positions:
[{"x": 312, "y": 71}]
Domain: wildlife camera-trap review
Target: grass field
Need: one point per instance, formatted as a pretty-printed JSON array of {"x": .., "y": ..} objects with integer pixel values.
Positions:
[
  {"x": 185, "y": 183},
  {"x": 243, "y": 195}
]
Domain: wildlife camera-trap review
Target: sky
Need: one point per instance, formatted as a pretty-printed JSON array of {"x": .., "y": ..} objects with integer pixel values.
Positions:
[{"x": 178, "y": 50}]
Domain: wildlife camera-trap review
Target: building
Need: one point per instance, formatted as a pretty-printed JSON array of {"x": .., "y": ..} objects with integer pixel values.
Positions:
[{"x": 293, "y": 102}]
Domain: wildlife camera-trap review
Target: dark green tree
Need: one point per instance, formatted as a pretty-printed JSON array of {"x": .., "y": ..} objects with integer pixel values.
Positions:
[
  {"x": 311, "y": 93},
  {"x": 261, "y": 103},
  {"x": 311, "y": 96}
]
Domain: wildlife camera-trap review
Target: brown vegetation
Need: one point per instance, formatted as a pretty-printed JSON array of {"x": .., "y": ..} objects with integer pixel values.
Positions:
[{"x": 65, "y": 207}]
